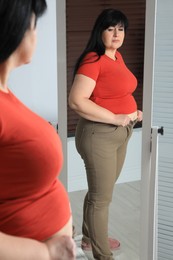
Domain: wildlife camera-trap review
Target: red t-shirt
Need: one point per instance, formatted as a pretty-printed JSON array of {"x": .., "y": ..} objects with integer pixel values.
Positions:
[
  {"x": 33, "y": 202},
  {"x": 115, "y": 83}
]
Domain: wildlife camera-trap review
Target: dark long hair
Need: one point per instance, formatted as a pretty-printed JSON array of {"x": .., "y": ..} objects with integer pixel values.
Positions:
[
  {"x": 15, "y": 18},
  {"x": 108, "y": 17}
]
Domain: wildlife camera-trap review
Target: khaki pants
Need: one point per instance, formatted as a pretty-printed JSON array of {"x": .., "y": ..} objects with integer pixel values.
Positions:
[{"x": 103, "y": 149}]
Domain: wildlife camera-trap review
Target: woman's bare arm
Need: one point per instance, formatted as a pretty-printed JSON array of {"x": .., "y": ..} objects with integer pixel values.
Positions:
[{"x": 16, "y": 248}]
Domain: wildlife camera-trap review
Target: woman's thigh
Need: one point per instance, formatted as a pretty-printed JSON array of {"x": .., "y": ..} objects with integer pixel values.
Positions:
[{"x": 99, "y": 145}]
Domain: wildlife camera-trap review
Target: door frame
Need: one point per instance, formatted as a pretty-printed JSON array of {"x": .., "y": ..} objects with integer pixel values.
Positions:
[
  {"x": 147, "y": 217},
  {"x": 147, "y": 237}
]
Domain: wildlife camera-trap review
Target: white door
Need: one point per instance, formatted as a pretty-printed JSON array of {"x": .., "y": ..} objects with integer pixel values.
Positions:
[
  {"x": 157, "y": 155},
  {"x": 163, "y": 115}
]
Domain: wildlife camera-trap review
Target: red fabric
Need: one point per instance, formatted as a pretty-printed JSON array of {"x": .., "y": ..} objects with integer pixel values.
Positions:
[
  {"x": 33, "y": 202},
  {"x": 115, "y": 83}
]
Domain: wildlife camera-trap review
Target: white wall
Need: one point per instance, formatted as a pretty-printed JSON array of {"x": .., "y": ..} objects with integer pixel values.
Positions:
[{"x": 36, "y": 84}]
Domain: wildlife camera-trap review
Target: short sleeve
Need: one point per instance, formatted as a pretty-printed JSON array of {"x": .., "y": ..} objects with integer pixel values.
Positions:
[{"x": 90, "y": 66}]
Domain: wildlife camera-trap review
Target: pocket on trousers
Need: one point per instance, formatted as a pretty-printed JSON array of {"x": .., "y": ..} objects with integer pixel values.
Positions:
[
  {"x": 78, "y": 141},
  {"x": 104, "y": 128}
]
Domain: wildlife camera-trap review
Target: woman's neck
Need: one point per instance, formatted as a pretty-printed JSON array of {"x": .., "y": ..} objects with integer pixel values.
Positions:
[
  {"x": 4, "y": 89},
  {"x": 111, "y": 54},
  {"x": 4, "y": 74}
]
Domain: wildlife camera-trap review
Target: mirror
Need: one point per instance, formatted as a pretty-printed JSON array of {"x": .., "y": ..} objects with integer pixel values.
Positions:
[
  {"x": 76, "y": 177},
  {"x": 124, "y": 222}
]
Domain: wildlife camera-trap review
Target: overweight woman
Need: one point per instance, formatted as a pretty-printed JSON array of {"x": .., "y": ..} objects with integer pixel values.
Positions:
[
  {"x": 35, "y": 215},
  {"x": 102, "y": 95}
]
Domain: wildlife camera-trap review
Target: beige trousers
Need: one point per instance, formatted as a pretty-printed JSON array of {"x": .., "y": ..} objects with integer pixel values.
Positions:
[{"x": 103, "y": 150}]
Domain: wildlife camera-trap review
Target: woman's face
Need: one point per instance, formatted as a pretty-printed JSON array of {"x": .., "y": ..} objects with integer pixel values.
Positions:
[
  {"x": 27, "y": 47},
  {"x": 113, "y": 37}
]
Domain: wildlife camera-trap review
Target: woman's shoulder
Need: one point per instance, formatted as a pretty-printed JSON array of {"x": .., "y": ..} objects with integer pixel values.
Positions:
[
  {"x": 90, "y": 65},
  {"x": 91, "y": 57}
]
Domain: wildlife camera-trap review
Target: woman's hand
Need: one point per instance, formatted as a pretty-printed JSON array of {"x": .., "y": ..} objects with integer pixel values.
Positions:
[
  {"x": 122, "y": 119},
  {"x": 140, "y": 115},
  {"x": 61, "y": 248}
]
